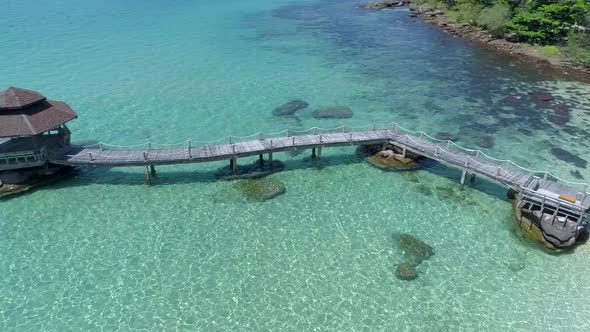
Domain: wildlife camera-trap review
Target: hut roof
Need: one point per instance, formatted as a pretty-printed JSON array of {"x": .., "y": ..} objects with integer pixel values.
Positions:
[
  {"x": 17, "y": 98},
  {"x": 27, "y": 113}
]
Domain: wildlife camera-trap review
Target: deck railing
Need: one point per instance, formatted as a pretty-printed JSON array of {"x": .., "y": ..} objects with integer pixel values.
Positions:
[
  {"x": 23, "y": 158},
  {"x": 447, "y": 147}
]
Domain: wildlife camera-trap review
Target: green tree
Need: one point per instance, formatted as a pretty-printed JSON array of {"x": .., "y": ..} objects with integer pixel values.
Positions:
[
  {"x": 534, "y": 27},
  {"x": 494, "y": 19}
]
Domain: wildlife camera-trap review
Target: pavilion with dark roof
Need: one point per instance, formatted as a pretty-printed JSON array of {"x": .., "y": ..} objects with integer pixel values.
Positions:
[{"x": 31, "y": 127}]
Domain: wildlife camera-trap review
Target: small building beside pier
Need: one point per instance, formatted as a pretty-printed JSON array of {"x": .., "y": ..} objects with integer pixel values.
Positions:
[{"x": 31, "y": 128}]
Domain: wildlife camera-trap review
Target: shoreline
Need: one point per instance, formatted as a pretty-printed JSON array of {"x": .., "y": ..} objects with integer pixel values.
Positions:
[{"x": 479, "y": 36}]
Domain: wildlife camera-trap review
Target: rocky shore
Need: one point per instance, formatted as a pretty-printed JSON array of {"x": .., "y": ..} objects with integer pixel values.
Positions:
[
  {"x": 386, "y": 4},
  {"x": 483, "y": 38}
]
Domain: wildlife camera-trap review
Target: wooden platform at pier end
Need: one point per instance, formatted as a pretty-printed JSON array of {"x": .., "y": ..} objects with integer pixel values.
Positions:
[{"x": 418, "y": 143}]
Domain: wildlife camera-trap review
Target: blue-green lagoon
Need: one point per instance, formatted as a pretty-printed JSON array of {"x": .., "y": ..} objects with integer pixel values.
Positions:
[{"x": 104, "y": 252}]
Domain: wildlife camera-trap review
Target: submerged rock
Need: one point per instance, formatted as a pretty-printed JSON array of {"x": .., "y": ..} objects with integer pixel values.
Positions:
[
  {"x": 424, "y": 190},
  {"x": 415, "y": 251},
  {"x": 516, "y": 266},
  {"x": 258, "y": 190},
  {"x": 485, "y": 141},
  {"x": 445, "y": 136},
  {"x": 569, "y": 157},
  {"x": 290, "y": 108},
  {"x": 561, "y": 108},
  {"x": 406, "y": 271},
  {"x": 560, "y": 115},
  {"x": 559, "y": 119},
  {"x": 291, "y": 120},
  {"x": 390, "y": 160},
  {"x": 411, "y": 177},
  {"x": 577, "y": 175},
  {"x": 454, "y": 194},
  {"x": 338, "y": 112},
  {"x": 541, "y": 97},
  {"x": 250, "y": 171},
  {"x": 515, "y": 100}
]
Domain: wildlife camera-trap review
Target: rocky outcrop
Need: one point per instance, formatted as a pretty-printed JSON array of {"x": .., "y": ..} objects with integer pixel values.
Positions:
[
  {"x": 390, "y": 160},
  {"x": 338, "y": 112},
  {"x": 259, "y": 190},
  {"x": 554, "y": 232}
]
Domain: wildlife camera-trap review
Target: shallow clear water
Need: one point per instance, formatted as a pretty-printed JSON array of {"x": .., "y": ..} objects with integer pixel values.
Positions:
[{"x": 102, "y": 251}]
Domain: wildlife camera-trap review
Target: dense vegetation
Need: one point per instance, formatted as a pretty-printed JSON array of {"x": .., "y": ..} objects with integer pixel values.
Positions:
[{"x": 563, "y": 23}]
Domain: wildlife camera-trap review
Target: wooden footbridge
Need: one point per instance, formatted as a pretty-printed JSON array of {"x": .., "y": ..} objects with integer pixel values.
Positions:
[
  {"x": 537, "y": 186},
  {"x": 540, "y": 186}
]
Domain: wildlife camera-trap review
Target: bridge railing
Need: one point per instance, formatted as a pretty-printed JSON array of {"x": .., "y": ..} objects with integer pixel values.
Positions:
[
  {"x": 14, "y": 159},
  {"x": 501, "y": 166},
  {"x": 439, "y": 146}
]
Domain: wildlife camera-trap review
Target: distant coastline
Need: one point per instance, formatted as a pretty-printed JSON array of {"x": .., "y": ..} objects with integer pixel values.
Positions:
[{"x": 480, "y": 36}]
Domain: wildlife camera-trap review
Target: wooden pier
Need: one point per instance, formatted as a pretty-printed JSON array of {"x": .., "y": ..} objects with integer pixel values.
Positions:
[{"x": 537, "y": 186}]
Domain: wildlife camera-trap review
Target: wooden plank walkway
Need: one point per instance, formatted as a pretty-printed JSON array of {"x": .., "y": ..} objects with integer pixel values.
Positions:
[{"x": 444, "y": 153}]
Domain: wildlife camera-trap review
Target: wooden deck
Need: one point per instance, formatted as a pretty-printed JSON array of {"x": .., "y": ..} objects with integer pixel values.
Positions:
[{"x": 467, "y": 160}]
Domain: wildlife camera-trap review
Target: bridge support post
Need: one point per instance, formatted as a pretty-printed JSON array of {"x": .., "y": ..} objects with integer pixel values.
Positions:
[
  {"x": 403, "y": 152},
  {"x": 313, "y": 155},
  {"x": 148, "y": 178},
  {"x": 261, "y": 159},
  {"x": 153, "y": 170},
  {"x": 472, "y": 178},
  {"x": 234, "y": 165},
  {"x": 318, "y": 159},
  {"x": 270, "y": 160},
  {"x": 463, "y": 177}
]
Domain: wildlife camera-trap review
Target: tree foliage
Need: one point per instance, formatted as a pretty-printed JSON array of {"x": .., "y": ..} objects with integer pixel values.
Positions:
[
  {"x": 533, "y": 21},
  {"x": 494, "y": 18}
]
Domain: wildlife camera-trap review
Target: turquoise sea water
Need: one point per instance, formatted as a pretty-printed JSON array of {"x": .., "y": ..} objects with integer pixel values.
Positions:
[{"x": 102, "y": 251}]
